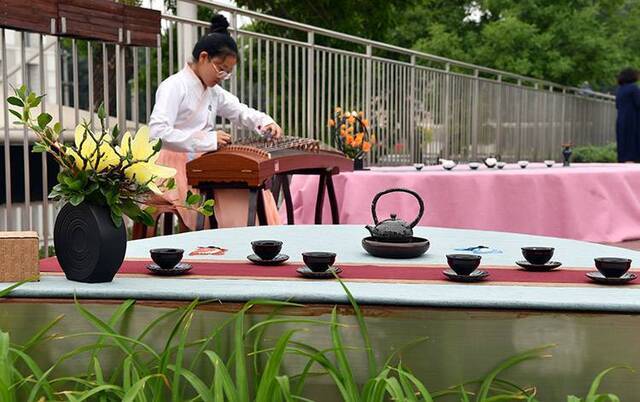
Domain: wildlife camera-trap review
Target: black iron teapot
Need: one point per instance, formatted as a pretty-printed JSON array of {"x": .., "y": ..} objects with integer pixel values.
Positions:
[{"x": 393, "y": 230}]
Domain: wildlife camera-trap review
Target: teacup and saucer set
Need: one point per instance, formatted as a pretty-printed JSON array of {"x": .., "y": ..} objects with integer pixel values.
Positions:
[
  {"x": 464, "y": 268},
  {"x": 167, "y": 262},
  {"x": 267, "y": 252},
  {"x": 319, "y": 265},
  {"x": 612, "y": 271},
  {"x": 538, "y": 259}
]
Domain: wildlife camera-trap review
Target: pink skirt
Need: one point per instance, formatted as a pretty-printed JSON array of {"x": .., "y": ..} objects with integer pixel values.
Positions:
[{"x": 231, "y": 206}]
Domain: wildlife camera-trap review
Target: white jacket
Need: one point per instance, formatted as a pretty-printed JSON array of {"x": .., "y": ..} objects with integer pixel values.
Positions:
[{"x": 184, "y": 116}]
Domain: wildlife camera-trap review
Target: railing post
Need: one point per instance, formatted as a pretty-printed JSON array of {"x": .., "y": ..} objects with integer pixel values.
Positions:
[
  {"x": 8, "y": 224},
  {"x": 121, "y": 86},
  {"x": 234, "y": 77},
  {"x": 310, "y": 84},
  {"x": 368, "y": 91},
  {"x": 552, "y": 125},
  {"x": 521, "y": 98},
  {"x": 475, "y": 123},
  {"x": 447, "y": 101},
  {"x": 414, "y": 142},
  {"x": 499, "y": 117},
  {"x": 537, "y": 138},
  {"x": 564, "y": 122}
]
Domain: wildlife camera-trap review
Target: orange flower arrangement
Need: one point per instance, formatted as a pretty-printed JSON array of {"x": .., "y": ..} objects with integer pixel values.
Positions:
[{"x": 351, "y": 133}]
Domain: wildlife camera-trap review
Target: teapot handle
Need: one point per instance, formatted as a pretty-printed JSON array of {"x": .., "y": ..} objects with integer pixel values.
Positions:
[{"x": 374, "y": 203}]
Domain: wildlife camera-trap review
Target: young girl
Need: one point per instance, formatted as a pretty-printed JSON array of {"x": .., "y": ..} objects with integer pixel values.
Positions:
[{"x": 184, "y": 118}]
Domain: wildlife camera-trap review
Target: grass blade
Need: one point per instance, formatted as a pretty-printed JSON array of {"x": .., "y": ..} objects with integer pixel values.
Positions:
[
  {"x": 593, "y": 389},
  {"x": 364, "y": 332}
]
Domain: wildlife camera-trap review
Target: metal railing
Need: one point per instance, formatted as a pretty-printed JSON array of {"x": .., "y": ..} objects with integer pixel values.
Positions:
[{"x": 420, "y": 106}]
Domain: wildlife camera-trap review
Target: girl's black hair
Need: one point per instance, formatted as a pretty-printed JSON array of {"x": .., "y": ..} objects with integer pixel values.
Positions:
[
  {"x": 218, "y": 43},
  {"x": 627, "y": 76}
]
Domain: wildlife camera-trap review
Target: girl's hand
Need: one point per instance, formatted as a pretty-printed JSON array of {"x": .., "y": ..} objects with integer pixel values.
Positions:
[
  {"x": 272, "y": 131},
  {"x": 223, "y": 138}
]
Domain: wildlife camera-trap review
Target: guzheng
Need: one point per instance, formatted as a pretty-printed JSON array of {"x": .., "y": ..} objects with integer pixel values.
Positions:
[{"x": 254, "y": 160}]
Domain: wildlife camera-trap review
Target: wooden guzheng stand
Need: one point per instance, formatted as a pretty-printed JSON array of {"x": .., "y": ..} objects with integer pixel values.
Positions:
[{"x": 251, "y": 163}]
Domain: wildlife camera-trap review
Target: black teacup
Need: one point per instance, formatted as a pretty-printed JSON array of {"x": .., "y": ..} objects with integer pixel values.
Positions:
[
  {"x": 166, "y": 258},
  {"x": 318, "y": 261},
  {"x": 537, "y": 255},
  {"x": 266, "y": 249},
  {"x": 612, "y": 267},
  {"x": 463, "y": 264}
]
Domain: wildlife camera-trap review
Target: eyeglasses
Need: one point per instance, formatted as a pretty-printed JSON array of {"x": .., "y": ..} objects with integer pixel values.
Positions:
[{"x": 223, "y": 75}]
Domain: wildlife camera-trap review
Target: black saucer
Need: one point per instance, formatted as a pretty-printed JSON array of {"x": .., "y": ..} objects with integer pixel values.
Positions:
[
  {"x": 277, "y": 260},
  {"x": 415, "y": 248},
  {"x": 179, "y": 269},
  {"x": 549, "y": 266},
  {"x": 599, "y": 278},
  {"x": 475, "y": 276},
  {"x": 328, "y": 274}
]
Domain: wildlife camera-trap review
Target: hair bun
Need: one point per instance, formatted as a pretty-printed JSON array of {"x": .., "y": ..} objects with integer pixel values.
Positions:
[{"x": 219, "y": 24}]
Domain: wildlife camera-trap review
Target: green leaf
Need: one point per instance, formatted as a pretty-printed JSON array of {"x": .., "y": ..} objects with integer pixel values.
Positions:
[
  {"x": 101, "y": 112},
  {"x": 150, "y": 210},
  {"x": 92, "y": 187},
  {"x": 116, "y": 218},
  {"x": 193, "y": 199},
  {"x": 593, "y": 389},
  {"x": 35, "y": 102},
  {"x": 22, "y": 92},
  {"x": 146, "y": 218},
  {"x": 17, "y": 114},
  {"x": 44, "y": 119},
  {"x": 74, "y": 184},
  {"x": 171, "y": 184},
  {"x": 115, "y": 132},
  {"x": 15, "y": 101},
  {"x": 39, "y": 148},
  {"x": 76, "y": 199},
  {"x": 157, "y": 146},
  {"x": 57, "y": 128},
  {"x": 31, "y": 98}
]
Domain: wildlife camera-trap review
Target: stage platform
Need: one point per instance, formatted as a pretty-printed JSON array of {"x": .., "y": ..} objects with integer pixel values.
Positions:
[{"x": 541, "y": 293}]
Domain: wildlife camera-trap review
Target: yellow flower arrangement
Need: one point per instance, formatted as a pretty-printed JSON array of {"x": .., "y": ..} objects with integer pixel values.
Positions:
[{"x": 98, "y": 170}]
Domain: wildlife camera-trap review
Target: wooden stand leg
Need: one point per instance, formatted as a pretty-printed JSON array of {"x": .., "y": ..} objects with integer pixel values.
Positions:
[
  {"x": 262, "y": 213},
  {"x": 253, "y": 203},
  {"x": 139, "y": 231},
  {"x": 335, "y": 216},
  {"x": 322, "y": 184},
  {"x": 167, "y": 227},
  {"x": 276, "y": 187},
  {"x": 288, "y": 203}
]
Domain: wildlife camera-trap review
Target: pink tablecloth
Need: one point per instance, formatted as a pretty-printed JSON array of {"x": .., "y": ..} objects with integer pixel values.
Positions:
[{"x": 599, "y": 203}]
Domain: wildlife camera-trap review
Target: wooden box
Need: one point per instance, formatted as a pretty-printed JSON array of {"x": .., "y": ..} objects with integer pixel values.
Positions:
[
  {"x": 141, "y": 26},
  {"x": 29, "y": 15},
  {"x": 91, "y": 19},
  {"x": 18, "y": 256}
]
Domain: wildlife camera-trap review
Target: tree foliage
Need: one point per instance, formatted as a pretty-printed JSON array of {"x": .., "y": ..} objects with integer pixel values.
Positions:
[{"x": 573, "y": 42}]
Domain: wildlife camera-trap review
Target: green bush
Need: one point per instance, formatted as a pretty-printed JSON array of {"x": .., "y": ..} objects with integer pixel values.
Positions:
[{"x": 595, "y": 154}]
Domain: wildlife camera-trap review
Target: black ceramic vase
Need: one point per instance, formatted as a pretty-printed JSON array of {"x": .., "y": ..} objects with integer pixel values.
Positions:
[
  {"x": 358, "y": 164},
  {"x": 89, "y": 246}
]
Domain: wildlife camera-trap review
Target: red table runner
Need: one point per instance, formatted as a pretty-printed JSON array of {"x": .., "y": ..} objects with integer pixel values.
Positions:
[{"x": 350, "y": 272}]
